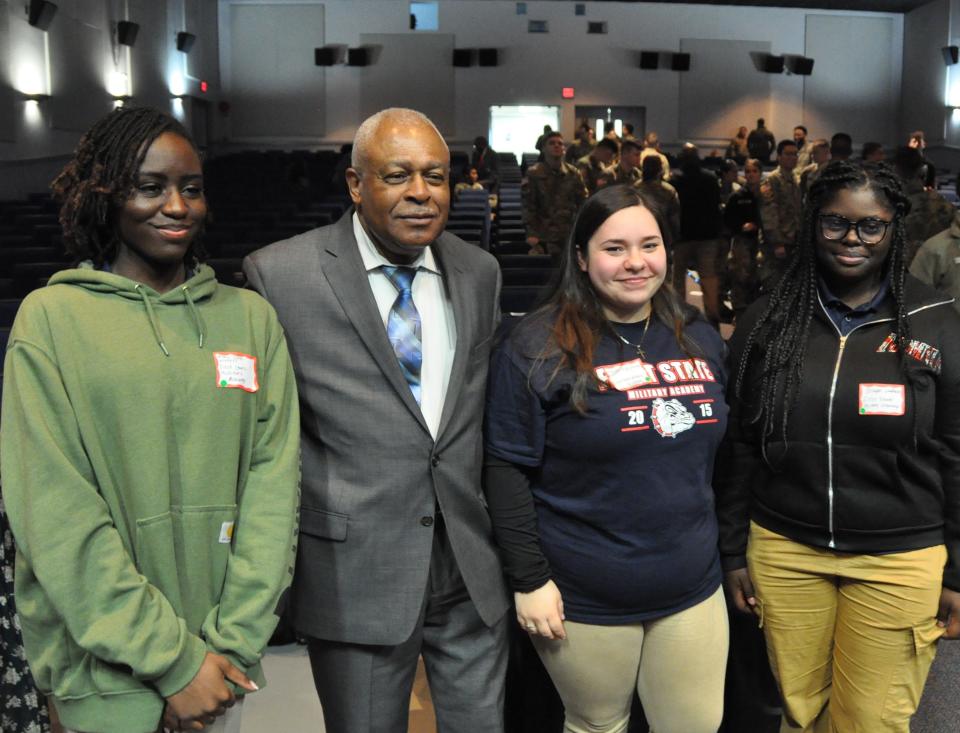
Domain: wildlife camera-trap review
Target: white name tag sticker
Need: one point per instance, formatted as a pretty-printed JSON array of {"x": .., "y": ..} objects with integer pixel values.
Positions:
[
  {"x": 626, "y": 375},
  {"x": 226, "y": 533},
  {"x": 882, "y": 399},
  {"x": 235, "y": 370}
]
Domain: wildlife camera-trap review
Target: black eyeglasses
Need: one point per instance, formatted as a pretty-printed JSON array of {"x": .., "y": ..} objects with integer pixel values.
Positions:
[{"x": 869, "y": 231}]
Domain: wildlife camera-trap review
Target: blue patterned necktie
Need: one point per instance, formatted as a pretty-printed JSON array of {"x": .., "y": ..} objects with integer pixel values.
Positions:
[{"x": 403, "y": 327}]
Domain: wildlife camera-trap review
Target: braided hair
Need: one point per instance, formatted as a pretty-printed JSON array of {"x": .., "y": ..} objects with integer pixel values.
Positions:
[
  {"x": 777, "y": 343},
  {"x": 100, "y": 177}
]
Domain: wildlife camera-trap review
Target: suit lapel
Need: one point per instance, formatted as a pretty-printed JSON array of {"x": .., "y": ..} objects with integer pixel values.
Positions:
[
  {"x": 347, "y": 277},
  {"x": 457, "y": 283}
]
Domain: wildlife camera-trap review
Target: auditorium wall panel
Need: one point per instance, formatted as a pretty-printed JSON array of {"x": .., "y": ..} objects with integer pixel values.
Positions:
[
  {"x": 281, "y": 98},
  {"x": 926, "y": 30},
  {"x": 77, "y": 63},
  {"x": 603, "y": 68},
  {"x": 861, "y": 89},
  {"x": 275, "y": 88}
]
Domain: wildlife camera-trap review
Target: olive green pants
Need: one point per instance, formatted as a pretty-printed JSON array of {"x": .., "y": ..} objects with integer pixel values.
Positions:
[{"x": 850, "y": 637}]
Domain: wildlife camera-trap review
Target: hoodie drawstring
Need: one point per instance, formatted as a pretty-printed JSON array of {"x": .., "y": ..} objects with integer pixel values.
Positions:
[
  {"x": 152, "y": 318},
  {"x": 195, "y": 312}
]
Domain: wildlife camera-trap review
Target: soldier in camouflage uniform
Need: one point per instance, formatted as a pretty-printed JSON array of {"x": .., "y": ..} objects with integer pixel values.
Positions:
[
  {"x": 780, "y": 202},
  {"x": 583, "y": 145},
  {"x": 741, "y": 217},
  {"x": 552, "y": 194},
  {"x": 938, "y": 261},
  {"x": 628, "y": 169},
  {"x": 595, "y": 166},
  {"x": 663, "y": 194},
  {"x": 819, "y": 157},
  {"x": 930, "y": 213}
]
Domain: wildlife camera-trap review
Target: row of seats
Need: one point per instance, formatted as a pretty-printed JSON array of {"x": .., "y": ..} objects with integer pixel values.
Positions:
[{"x": 31, "y": 246}]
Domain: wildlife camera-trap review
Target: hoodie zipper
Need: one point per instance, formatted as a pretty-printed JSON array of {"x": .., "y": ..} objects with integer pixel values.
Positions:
[{"x": 833, "y": 391}]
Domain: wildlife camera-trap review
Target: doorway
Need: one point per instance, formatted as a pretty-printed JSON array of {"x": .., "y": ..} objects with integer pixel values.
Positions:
[{"x": 597, "y": 116}]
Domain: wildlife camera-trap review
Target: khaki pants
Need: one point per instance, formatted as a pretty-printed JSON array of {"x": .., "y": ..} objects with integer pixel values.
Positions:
[
  {"x": 676, "y": 663},
  {"x": 850, "y": 637}
]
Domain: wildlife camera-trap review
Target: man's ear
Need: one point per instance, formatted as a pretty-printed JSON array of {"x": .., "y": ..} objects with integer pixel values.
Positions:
[{"x": 353, "y": 185}]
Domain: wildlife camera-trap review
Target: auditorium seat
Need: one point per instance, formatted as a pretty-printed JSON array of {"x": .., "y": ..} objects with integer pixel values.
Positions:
[
  {"x": 10, "y": 256},
  {"x": 8, "y": 310},
  {"x": 518, "y": 298},
  {"x": 229, "y": 270},
  {"x": 525, "y": 260},
  {"x": 28, "y": 276},
  {"x": 530, "y": 276}
]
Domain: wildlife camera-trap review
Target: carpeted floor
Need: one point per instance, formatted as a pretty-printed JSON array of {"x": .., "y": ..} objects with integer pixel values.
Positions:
[{"x": 940, "y": 706}]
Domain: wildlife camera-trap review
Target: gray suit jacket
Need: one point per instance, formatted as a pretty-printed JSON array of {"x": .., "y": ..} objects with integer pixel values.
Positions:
[{"x": 372, "y": 474}]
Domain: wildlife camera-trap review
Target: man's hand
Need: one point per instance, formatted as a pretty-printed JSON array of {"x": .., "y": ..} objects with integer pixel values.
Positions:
[
  {"x": 541, "y": 611},
  {"x": 740, "y": 591},
  {"x": 948, "y": 616},
  {"x": 207, "y": 696},
  {"x": 749, "y": 227}
]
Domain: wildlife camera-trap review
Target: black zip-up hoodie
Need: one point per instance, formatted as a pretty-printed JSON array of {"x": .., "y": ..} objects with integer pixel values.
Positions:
[{"x": 865, "y": 468}]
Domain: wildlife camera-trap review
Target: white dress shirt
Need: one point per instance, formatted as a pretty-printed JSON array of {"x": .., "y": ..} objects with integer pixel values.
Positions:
[{"x": 438, "y": 329}]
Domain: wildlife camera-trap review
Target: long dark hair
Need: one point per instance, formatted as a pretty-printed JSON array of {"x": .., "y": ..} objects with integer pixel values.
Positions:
[
  {"x": 572, "y": 312},
  {"x": 777, "y": 343},
  {"x": 101, "y": 175}
]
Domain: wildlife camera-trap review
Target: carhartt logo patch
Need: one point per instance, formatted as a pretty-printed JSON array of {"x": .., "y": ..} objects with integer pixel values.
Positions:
[
  {"x": 237, "y": 371},
  {"x": 226, "y": 533}
]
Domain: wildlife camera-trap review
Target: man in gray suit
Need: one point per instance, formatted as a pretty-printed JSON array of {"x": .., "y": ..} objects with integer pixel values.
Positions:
[{"x": 389, "y": 322}]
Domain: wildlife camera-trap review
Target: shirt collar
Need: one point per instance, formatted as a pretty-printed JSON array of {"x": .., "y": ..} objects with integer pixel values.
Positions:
[
  {"x": 831, "y": 300},
  {"x": 373, "y": 260}
]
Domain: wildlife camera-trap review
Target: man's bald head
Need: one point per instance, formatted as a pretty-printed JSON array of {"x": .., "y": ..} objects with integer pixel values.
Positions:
[
  {"x": 387, "y": 118},
  {"x": 400, "y": 182}
]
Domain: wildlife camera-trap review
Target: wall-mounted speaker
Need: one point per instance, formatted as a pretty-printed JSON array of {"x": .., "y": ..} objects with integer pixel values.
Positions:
[
  {"x": 463, "y": 57},
  {"x": 40, "y": 13},
  {"x": 358, "y": 56},
  {"x": 185, "y": 41},
  {"x": 649, "y": 59},
  {"x": 680, "y": 62},
  {"x": 488, "y": 57},
  {"x": 772, "y": 64},
  {"x": 325, "y": 56},
  {"x": 951, "y": 54},
  {"x": 800, "y": 65},
  {"x": 127, "y": 32}
]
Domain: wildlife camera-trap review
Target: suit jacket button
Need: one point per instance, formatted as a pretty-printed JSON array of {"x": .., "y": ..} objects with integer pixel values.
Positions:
[
  {"x": 426, "y": 521},
  {"x": 435, "y": 461}
]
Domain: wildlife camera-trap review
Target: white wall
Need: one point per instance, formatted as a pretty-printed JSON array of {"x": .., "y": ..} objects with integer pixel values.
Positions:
[
  {"x": 73, "y": 61},
  {"x": 602, "y": 68},
  {"x": 36, "y": 138},
  {"x": 925, "y": 31}
]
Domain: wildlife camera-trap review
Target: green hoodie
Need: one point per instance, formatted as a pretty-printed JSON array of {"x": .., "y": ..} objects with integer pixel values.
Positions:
[{"x": 149, "y": 455}]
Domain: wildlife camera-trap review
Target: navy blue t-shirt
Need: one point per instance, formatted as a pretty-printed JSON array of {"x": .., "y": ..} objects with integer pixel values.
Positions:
[{"x": 623, "y": 493}]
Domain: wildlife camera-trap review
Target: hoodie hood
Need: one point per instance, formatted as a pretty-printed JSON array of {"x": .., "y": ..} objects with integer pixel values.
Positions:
[{"x": 201, "y": 286}]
